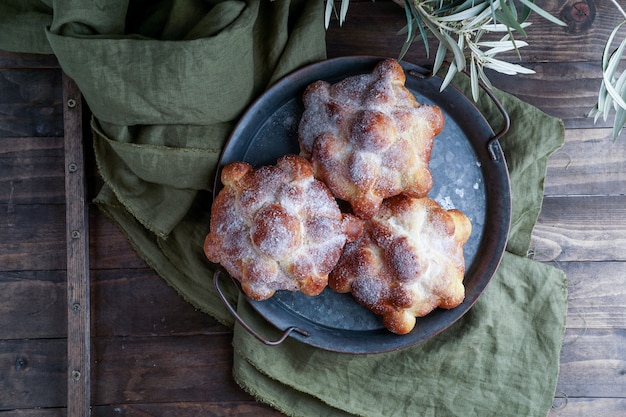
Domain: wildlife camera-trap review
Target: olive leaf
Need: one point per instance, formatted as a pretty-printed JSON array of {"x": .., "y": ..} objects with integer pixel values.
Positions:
[{"x": 612, "y": 92}]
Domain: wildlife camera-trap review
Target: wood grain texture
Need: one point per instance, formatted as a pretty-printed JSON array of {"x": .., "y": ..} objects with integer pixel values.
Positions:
[
  {"x": 581, "y": 228},
  {"x": 32, "y": 237},
  {"x": 32, "y": 304},
  {"x": 33, "y": 373},
  {"x": 200, "y": 409},
  {"x": 593, "y": 364},
  {"x": 78, "y": 305},
  {"x": 30, "y": 172},
  {"x": 140, "y": 303},
  {"x": 596, "y": 295},
  {"x": 589, "y": 163},
  {"x": 195, "y": 368},
  {"x": 30, "y": 103}
]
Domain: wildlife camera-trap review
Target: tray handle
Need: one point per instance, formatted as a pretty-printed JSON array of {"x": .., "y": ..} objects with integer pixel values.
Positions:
[
  {"x": 493, "y": 141},
  {"x": 241, "y": 321}
]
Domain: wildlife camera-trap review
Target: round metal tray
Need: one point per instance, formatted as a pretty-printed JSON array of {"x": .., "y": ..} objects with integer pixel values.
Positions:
[{"x": 469, "y": 172}]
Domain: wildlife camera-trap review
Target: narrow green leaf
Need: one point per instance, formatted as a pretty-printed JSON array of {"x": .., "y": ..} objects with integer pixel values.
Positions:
[
  {"x": 407, "y": 44},
  {"x": 620, "y": 85},
  {"x": 474, "y": 79},
  {"x": 330, "y": 5},
  {"x": 409, "y": 23},
  {"x": 343, "y": 12},
  {"x": 505, "y": 16},
  {"x": 457, "y": 6},
  {"x": 510, "y": 6},
  {"x": 606, "y": 103},
  {"x": 484, "y": 78},
  {"x": 606, "y": 54},
  {"x": 449, "y": 43},
  {"x": 507, "y": 67},
  {"x": 619, "y": 122},
  {"x": 501, "y": 27},
  {"x": 440, "y": 56},
  {"x": 452, "y": 71},
  {"x": 419, "y": 22},
  {"x": 483, "y": 17},
  {"x": 524, "y": 14},
  {"x": 609, "y": 72},
  {"x": 464, "y": 14},
  {"x": 499, "y": 47},
  {"x": 541, "y": 12}
]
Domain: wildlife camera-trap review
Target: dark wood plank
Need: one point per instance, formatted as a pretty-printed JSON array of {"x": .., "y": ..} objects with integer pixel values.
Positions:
[
  {"x": 195, "y": 409},
  {"x": 124, "y": 302},
  {"x": 124, "y": 371},
  {"x": 579, "y": 407},
  {"x": 593, "y": 364},
  {"x": 164, "y": 369},
  {"x": 33, "y": 373},
  {"x": 77, "y": 247},
  {"x": 566, "y": 90},
  {"x": 596, "y": 295},
  {"x": 590, "y": 163},
  {"x": 563, "y": 407},
  {"x": 32, "y": 304},
  {"x": 581, "y": 228},
  {"x": 181, "y": 409},
  {"x": 15, "y": 60},
  {"x": 110, "y": 248},
  {"x": 196, "y": 369},
  {"x": 36, "y": 412},
  {"x": 31, "y": 171},
  {"x": 30, "y": 103},
  {"x": 32, "y": 237},
  {"x": 140, "y": 303}
]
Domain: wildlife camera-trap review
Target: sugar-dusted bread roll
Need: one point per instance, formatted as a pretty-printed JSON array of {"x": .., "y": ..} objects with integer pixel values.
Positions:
[
  {"x": 368, "y": 138},
  {"x": 408, "y": 261},
  {"x": 277, "y": 228}
]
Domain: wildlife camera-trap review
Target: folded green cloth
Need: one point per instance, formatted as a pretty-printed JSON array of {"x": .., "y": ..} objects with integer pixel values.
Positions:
[{"x": 166, "y": 81}]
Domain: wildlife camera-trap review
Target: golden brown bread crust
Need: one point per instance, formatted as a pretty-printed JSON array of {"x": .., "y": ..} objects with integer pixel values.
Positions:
[
  {"x": 368, "y": 138},
  {"x": 277, "y": 228},
  {"x": 408, "y": 261}
]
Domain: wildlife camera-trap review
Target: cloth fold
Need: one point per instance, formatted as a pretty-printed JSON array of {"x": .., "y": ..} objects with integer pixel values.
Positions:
[{"x": 167, "y": 80}]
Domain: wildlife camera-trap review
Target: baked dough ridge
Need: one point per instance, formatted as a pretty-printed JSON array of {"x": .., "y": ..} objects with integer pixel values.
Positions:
[
  {"x": 408, "y": 261},
  {"x": 277, "y": 228},
  {"x": 368, "y": 138}
]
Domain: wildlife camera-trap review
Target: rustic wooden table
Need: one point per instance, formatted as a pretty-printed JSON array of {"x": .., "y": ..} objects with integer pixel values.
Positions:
[{"x": 151, "y": 353}]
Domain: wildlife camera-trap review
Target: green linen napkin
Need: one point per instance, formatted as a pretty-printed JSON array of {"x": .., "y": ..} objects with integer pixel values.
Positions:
[{"x": 166, "y": 81}]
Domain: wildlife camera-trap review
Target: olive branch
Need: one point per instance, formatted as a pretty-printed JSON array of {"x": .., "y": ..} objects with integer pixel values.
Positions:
[{"x": 461, "y": 26}]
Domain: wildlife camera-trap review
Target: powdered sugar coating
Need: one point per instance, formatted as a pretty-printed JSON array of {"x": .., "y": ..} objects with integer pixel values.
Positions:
[
  {"x": 277, "y": 228},
  {"x": 368, "y": 138},
  {"x": 408, "y": 261}
]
